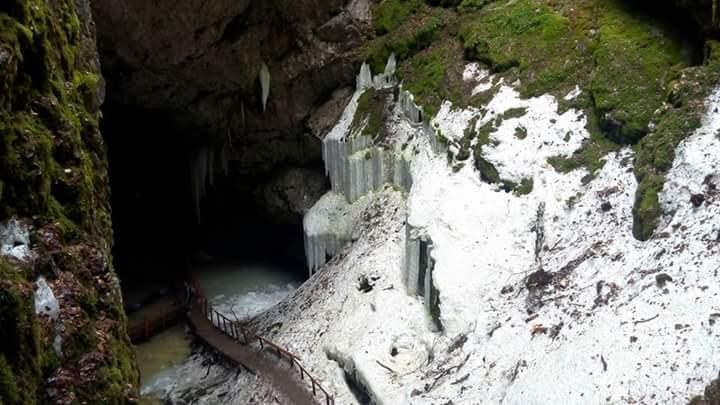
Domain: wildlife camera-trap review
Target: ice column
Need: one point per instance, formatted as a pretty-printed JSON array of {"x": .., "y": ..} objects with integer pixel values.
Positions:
[
  {"x": 328, "y": 226},
  {"x": 412, "y": 111},
  {"x": 419, "y": 266},
  {"x": 355, "y": 167},
  {"x": 364, "y": 78}
]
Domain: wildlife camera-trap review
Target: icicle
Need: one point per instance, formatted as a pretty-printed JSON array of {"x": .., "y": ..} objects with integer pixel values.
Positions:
[
  {"x": 411, "y": 110},
  {"x": 265, "y": 84},
  {"x": 365, "y": 78},
  {"x": 390, "y": 66}
]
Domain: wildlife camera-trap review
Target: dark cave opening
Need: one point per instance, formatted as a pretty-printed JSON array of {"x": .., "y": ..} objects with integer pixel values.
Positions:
[{"x": 157, "y": 235}]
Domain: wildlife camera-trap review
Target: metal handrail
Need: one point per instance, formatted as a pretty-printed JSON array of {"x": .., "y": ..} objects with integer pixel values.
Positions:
[
  {"x": 150, "y": 326},
  {"x": 235, "y": 331}
]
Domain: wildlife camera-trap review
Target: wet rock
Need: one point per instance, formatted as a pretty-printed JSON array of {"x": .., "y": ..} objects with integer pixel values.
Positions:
[
  {"x": 662, "y": 278},
  {"x": 324, "y": 117},
  {"x": 364, "y": 284},
  {"x": 291, "y": 194},
  {"x": 697, "y": 200},
  {"x": 538, "y": 279},
  {"x": 507, "y": 289}
]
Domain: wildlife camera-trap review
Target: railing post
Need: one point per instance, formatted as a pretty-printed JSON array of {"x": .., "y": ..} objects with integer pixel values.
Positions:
[{"x": 313, "y": 385}]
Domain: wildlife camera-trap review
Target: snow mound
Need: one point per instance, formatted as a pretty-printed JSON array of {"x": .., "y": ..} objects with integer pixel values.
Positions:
[{"x": 544, "y": 298}]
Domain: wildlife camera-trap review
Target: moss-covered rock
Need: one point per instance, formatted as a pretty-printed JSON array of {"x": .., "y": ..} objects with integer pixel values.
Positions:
[
  {"x": 390, "y": 14},
  {"x": 656, "y": 152},
  {"x": 53, "y": 172}
]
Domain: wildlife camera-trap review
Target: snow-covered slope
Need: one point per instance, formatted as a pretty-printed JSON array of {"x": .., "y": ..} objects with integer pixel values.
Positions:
[{"x": 544, "y": 298}]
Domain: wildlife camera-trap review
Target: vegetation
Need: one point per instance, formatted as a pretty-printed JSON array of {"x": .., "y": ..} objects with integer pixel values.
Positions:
[
  {"x": 388, "y": 15},
  {"x": 53, "y": 174},
  {"x": 629, "y": 61},
  {"x": 655, "y": 153},
  {"x": 370, "y": 112}
]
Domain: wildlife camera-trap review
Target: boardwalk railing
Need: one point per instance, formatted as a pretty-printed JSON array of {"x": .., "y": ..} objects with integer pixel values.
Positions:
[
  {"x": 149, "y": 326},
  {"x": 244, "y": 336}
]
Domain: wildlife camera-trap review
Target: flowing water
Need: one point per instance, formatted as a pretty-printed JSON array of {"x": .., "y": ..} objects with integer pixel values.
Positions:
[{"x": 237, "y": 289}]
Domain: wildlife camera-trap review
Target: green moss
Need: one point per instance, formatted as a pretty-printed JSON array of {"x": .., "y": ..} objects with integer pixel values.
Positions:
[
  {"x": 403, "y": 43},
  {"x": 8, "y": 386},
  {"x": 635, "y": 59},
  {"x": 390, "y": 14},
  {"x": 20, "y": 336},
  {"x": 53, "y": 172},
  {"x": 370, "y": 112},
  {"x": 521, "y": 132},
  {"x": 472, "y": 5},
  {"x": 590, "y": 156},
  {"x": 529, "y": 36},
  {"x": 656, "y": 152},
  {"x": 525, "y": 187},
  {"x": 435, "y": 75},
  {"x": 514, "y": 113}
]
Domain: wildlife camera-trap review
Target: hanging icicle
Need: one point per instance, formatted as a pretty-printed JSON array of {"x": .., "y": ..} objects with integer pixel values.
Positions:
[{"x": 264, "y": 84}]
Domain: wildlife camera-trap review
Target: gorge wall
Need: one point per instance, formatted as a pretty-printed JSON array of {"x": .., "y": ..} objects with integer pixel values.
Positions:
[{"x": 64, "y": 339}]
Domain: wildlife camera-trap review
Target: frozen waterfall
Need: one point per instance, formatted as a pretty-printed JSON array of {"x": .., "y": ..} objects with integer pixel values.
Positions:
[{"x": 357, "y": 166}]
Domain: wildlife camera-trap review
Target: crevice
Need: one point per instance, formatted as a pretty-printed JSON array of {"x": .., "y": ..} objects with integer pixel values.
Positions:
[{"x": 357, "y": 388}]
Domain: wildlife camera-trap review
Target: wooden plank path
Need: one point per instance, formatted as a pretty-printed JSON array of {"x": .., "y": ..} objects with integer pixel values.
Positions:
[
  {"x": 251, "y": 351},
  {"x": 280, "y": 376},
  {"x": 160, "y": 316},
  {"x": 242, "y": 347}
]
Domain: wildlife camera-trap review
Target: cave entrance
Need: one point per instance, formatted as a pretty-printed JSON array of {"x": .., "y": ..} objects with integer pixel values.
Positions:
[
  {"x": 177, "y": 207},
  {"x": 164, "y": 225}
]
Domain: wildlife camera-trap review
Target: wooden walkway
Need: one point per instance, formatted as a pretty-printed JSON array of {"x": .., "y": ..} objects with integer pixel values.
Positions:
[
  {"x": 159, "y": 316},
  {"x": 262, "y": 363},
  {"x": 242, "y": 347},
  {"x": 254, "y": 352}
]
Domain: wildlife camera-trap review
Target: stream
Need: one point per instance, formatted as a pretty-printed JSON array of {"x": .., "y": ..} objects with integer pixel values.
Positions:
[{"x": 238, "y": 289}]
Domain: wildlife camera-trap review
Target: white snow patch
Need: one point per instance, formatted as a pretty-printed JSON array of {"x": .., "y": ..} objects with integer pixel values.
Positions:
[
  {"x": 572, "y": 95},
  {"x": 475, "y": 74},
  {"x": 603, "y": 330},
  {"x": 15, "y": 240},
  {"x": 548, "y": 134},
  {"x": 46, "y": 304},
  {"x": 45, "y": 301}
]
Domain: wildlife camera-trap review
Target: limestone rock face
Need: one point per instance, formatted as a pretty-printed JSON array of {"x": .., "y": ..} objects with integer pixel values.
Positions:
[
  {"x": 289, "y": 195},
  {"x": 200, "y": 61},
  {"x": 55, "y": 214}
]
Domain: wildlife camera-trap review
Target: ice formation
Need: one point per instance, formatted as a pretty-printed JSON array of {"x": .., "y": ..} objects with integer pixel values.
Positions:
[
  {"x": 15, "y": 240},
  {"x": 357, "y": 167},
  {"x": 46, "y": 304},
  {"x": 203, "y": 167},
  {"x": 264, "y": 84},
  {"x": 419, "y": 266},
  {"x": 619, "y": 320}
]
